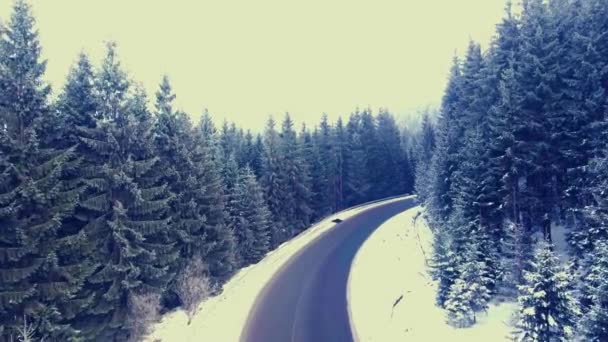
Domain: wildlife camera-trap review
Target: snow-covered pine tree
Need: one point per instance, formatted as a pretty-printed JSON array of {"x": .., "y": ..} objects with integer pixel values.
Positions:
[
  {"x": 296, "y": 180},
  {"x": 444, "y": 264},
  {"x": 537, "y": 129},
  {"x": 251, "y": 153},
  {"x": 469, "y": 293},
  {"x": 594, "y": 324},
  {"x": 272, "y": 183},
  {"x": 129, "y": 224},
  {"x": 342, "y": 152},
  {"x": 75, "y": 113},
  {"x": 389, "y": 156},
  {"x": 250, "y": 219},
  {"x": 219, "y": 249},
  {"x": 423, "y": 152},
  {"x": 34, "y": 198},
  {"x": 368, "y": 135},
  {"x": 356, "y": 186},
  {"x": 439, "y": 203},
  {"x": 595, "y": 214},
  {"x": 196, "y": 208},
  {"x": 547, "y": 308},
  {"x": 230, "y": 173},
  {"x": 327, "y": 153}
]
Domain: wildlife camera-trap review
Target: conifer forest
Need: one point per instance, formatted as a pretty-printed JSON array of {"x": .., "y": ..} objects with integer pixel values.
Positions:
[
  {"x": 107, "y": 202},
  {"x": 116, "y": 207},
  {"x": 517, "y": 153}
]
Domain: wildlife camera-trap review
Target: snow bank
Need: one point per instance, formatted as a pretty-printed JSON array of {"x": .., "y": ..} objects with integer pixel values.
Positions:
[
  {"x": 392, "y": 297},
  {"x": 223, "y": 317}
]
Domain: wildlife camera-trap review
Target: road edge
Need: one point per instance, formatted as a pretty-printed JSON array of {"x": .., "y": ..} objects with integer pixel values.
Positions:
[
  {"x": 353, "y": 328},
  {"x": 360, "y": 208}
]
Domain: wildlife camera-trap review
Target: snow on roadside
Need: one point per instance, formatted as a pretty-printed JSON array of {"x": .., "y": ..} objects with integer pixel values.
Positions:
[
  {"x": 392, "y": 297},
  {"x": 223, "y": 317}
]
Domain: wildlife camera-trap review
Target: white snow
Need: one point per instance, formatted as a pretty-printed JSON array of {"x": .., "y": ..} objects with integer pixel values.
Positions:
[
  {"x": 560, "y": 243},
  {"x": 223, "y": 317},
  {"x": 390, "y": 265}
]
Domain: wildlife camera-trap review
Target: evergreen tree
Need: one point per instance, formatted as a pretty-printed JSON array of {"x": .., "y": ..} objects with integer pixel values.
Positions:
[
  {"x": 595, "y": 214},
  {"x": 594, "y": 327},
  {"x": 341, "y": 147},
  {"x": 296, "y": 180},
  {"x": 538, "y": 113},
  {"x": 356, "y": 185},
  {"x": 371, "y": 152},
  {"x": 130, "y": 224},
  {"x": 250, "y": 219},
  {"x": 389, "y": 155},
  {"x": 423, "y": 152},
  {"x": 272, "y": 183},
  {"x": 469, "y": 293},
  {"x": 251, "y": 153},
  {"x": 547, "y": 309},
  {"x": 310, "y": 153},
  {"x": 219, "y": 249},
  {"x": 439, "y": 203},
  {"x": 444, "y": 265},
  {"x": 34, "y": 200},
  {"x": 196, "y": 206},
  {"x": 329, "y": 160}
]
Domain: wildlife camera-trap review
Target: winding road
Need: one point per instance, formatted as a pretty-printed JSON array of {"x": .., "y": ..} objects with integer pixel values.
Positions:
[{"x": 306, "y": 300}]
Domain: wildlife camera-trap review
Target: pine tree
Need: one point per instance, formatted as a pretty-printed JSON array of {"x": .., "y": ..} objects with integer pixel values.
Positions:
[
  {"x": 356, "y": 187},
  {"x": 444, "y": 265},
  {"x": 469, "y": 294},
  {"x": 595, "y": 214},
  {"x": 547, "y": 309},
  {"x": 272, "y": 183},
  {"x": 129, "y": 218},
  {"x": 219, "y": 250},
  {"x": 391, "y": 181},
  {"x": 76, "y": 111},
  {"x": 34, "y": 200},
  {"x": 594, "y": 326},
  {"x": 328, "y": 158},
  {"x": 371, "y": 147},
  {"x": 439, "y": 203},
  {"x": 295, "y": 180},
  {"x": 250, "y": 219},
  {"x": 538, "y": 113},
  {"x": 251, "y": 153},
  {"x": 423, "y": 152},
  {"x": 196, "y": 209},
  {"x": 310, "y": 154},
  {"x": 341, "y": 146}
]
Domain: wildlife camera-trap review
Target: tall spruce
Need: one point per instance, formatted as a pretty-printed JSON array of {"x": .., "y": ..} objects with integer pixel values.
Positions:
[
  {"x": 547, "y": 309},
  {"x": 129, "y": 217},
  {"x": 250, "y": 219},
  {"x": 34, "y": 200}
]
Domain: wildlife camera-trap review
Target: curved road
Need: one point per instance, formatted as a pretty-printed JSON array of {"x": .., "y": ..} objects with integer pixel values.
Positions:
[{"x": 306, "y": 298}]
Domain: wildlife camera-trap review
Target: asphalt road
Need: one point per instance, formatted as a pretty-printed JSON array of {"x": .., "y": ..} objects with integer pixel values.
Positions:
[{"x": 306, "y": 298}]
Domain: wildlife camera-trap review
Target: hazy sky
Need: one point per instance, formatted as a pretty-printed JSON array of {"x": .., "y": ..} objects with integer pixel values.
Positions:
[{"x": 244, "y": 60}]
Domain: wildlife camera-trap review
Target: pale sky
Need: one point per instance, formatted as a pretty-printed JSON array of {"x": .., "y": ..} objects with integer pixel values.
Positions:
[{"x": 244, "y": 60}]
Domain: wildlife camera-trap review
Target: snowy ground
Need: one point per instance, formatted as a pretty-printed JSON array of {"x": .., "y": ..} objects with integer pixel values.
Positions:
[
  {"x": 222, "y": 318},
  {"x": 391, "y": 265}
]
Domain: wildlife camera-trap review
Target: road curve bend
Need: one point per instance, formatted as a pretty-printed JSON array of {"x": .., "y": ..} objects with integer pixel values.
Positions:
[{"x": 306, "y": 300}]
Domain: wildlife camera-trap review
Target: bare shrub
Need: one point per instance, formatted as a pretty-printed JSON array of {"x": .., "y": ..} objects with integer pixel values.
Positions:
[
  {"x": 193, "y": 286},
  {"x": 144, "y": 310}
]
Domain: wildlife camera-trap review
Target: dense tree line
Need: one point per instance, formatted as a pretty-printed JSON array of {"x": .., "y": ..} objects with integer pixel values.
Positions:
[
  {"x": 103, "y": 199},
  {"x": 518, "y": 148}
]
